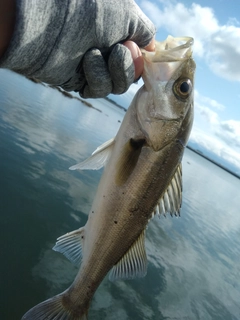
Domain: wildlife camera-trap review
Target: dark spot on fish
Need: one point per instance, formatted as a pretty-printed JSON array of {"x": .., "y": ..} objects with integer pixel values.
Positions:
[
  {"x": 137, "y": 144},
  {"x": 92, "y": 211},
  {"x": 119, "y": 121},
  {"x": 115, "y": 222},
  {"x": 82, "y": 237},
  {"x": 128, "y": 160}
]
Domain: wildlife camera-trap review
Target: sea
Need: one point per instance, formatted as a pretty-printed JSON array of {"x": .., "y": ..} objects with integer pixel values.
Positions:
[{"x": 193, "y": 261}]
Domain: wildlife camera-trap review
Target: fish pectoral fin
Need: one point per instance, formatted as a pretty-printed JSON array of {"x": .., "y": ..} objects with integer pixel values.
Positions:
[
  {"x": 98, "y": 159},
  {"x": 71, "y": 245},
  {"x": 133, "y": 264},
  {"x": 171, "y": 201}
]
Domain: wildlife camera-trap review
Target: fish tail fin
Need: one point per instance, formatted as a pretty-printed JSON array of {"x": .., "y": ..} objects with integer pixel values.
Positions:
[{"x": 53, "y": 308}]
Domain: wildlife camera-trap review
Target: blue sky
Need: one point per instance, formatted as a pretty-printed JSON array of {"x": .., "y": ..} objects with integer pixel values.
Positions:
[{"x": 215, "y": 27}]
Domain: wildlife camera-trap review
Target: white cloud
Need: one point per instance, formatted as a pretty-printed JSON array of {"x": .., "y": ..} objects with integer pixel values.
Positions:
[
  {"x": 217, "y": 136},
  {"x": 229, "y": 131},
  {"x": 204, "y": 106},
  {"x": 224, "y": 52},
  {"x": 203, "y": 100},
  {"x": 232, "y": 21},
  {"x": 218, "y": 44},
  {"x": 209, "y": 115},
  {"x": 196, "y": 21},
  {"x": 217, "y": 146}
]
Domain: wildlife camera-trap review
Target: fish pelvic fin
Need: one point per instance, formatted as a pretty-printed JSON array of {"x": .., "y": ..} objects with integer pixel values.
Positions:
[
  {"x": 98, "y": 159},
  {"x": 133, "y": 264},
  {"x": 71, "y": 245},
  {"x": 54, "y": 308}
]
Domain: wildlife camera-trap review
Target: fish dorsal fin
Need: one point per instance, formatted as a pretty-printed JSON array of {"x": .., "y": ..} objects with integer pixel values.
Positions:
[
  {"x": 98, "y": 158},
  {"x": 171, "y": 201},
  {"x": 133, "y": 263},
  {"x": 71, "y": 245}
]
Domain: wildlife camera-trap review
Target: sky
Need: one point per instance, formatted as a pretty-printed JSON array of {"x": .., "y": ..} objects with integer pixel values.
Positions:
[{"x": 215, "y": 27}]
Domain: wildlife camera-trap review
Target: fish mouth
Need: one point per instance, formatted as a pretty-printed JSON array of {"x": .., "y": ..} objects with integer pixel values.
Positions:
[
  {"x": 188, "y": 43},
  {"x": 171, "y": 50}
]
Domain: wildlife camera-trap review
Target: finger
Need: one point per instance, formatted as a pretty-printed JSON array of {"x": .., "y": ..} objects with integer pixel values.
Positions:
[
  {"x": 150, "y": 46},
  {"x": 98, "y": 81},
  {"x": 137, "y": 58},
  {"x": 121, "y": 68}
]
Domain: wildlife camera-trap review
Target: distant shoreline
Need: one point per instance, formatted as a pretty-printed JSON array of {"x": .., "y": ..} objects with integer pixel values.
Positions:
[
  {"x": 215, "y": 162},
  {"x": 115, "y": 103}
]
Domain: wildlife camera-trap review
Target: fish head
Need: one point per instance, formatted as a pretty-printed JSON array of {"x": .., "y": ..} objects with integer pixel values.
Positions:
[{"x": 165, "y": 103}]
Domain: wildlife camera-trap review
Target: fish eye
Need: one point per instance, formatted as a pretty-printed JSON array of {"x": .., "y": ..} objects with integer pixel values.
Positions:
[{"x": 182, "y": 88}]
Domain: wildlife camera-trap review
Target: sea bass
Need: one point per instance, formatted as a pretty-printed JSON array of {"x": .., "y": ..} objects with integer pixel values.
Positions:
[{"x": 142, "y": 177}]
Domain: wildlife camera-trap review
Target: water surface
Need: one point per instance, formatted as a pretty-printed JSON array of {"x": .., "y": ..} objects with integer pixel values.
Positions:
[{"x": 193, "y": 269}]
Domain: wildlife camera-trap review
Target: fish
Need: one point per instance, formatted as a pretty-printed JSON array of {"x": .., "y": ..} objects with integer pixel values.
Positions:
[{"x": 142, "y": 178}]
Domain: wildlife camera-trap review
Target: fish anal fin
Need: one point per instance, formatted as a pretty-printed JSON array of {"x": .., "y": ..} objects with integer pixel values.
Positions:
[
  {"x": 133, "y": 264},
  {"x": 53, "y": 308},
  {"x": 71, "y": 245},
  {"x": 128, "y": 160},
  {"x": 171, "y": 200},
  {"x": 98, "y": 159}
]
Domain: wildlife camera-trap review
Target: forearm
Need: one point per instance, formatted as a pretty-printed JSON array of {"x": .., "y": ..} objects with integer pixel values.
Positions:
[
  {"x": 7, "y": 21},
  {"x": 74, "y": 43},
  {"x": 48, "y": 38}
]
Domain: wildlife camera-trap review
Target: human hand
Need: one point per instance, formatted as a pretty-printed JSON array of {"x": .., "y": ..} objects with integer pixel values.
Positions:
[
  {"x": 137, "y": 56},
  {"x": 110, "y": 66},
  {"x": 123, "y": 68}
]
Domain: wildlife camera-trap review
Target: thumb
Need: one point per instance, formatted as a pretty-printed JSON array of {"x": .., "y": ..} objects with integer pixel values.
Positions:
[{"x": 137, "y": 56}]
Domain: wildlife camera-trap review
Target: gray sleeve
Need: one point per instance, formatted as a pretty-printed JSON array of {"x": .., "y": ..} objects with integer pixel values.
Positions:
[{"x": 51, "y": 38}]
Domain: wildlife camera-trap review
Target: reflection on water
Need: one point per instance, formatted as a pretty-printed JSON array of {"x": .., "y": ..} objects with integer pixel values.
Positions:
[{"x": 193, "y": 270}]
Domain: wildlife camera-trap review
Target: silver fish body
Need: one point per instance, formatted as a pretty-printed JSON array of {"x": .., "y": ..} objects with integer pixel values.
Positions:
[{"x": 142, "y": 177}]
